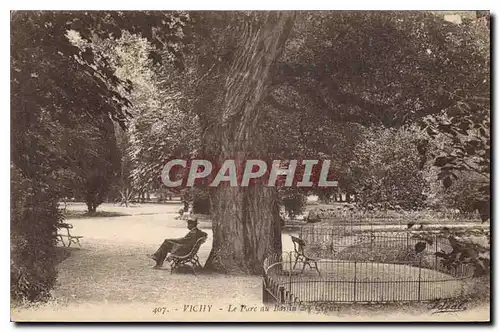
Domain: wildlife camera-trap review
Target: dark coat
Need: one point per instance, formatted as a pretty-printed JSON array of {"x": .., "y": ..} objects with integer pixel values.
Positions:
[{"x": 184, "y": 245}]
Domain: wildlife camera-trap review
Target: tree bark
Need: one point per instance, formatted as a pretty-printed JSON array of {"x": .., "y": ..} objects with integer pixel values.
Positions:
[
  {"x": 246, "y": 228},
  {"x": 245, "y": 220},
  {"x": 91, "y": 207}
]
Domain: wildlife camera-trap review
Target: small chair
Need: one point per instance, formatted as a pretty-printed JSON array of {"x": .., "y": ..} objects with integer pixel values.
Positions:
[
  {"x": 298, "y": 247},
  {"x": 191, "y": 257}
]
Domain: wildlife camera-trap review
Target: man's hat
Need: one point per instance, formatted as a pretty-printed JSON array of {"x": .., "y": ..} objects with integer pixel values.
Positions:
[{"x": 192, "y": 220}]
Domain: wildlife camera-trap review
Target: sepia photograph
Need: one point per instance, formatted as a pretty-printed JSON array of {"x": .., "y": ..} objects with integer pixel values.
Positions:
[{"x": 250, "y": 166}]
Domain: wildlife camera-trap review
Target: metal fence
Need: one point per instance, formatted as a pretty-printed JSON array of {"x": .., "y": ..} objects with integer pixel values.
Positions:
[{"x": 341, "y": 281}]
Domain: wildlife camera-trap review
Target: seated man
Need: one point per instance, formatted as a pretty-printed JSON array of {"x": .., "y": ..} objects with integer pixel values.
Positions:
[{"x": 181, "y": 246}]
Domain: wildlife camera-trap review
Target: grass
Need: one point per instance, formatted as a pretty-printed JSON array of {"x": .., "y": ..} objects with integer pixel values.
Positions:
[
  {"x": 61, "y": 254},
  {"x": 395, "y": 220},
  {"x": 481, "y": 291},
  {"x": 339, "y": 212},
  {"x": 387, "y": 254},
  {"x": 71, "y": 214},
  {"x": 381, "y": 252}
]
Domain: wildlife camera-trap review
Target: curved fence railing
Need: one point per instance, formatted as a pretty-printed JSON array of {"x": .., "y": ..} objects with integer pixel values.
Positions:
[
  {"x": 286, "y": 281},
  {"x": 367, "y": 263}
]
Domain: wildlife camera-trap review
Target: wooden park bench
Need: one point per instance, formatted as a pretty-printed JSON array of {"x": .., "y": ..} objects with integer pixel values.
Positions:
[
  {"x": 191, "y": 259},
  {"x": 71, "y": 238},
  {"x": 300, "y": 256}
]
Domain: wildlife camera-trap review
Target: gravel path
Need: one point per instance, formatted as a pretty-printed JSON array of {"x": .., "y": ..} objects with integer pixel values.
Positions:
[{"x": 112, "y": 270}]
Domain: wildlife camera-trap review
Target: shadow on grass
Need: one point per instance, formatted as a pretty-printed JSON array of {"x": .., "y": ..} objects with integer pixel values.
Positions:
[
  {"x": 62, "y": 253},
  {"x": 98, "y": 214},
  {"x": 186, "y": 270},
  {"x": 481, "y": 291}
]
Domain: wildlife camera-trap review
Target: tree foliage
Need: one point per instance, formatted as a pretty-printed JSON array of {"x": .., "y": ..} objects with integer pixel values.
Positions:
[
  {"x": 386, "y": 170},
  {"x": 379, "y": 67},
  {"x": 58, "y": 85},
  {"x": 465, "y": 124},
  {"x": 339, "y": 71},
  {"x": 34, "y": 212}
]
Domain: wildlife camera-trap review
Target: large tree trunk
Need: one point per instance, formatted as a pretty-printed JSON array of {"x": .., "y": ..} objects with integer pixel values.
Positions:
[
  {"x": 91, "y": 207},
  {"x": 246, "y": 228},
  {"x": 246, "y": 222}
]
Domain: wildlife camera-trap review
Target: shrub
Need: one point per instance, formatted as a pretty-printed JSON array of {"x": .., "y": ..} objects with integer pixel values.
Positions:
[
  {"x": 201, "y": 201},
  {"x": 34, "y": 214},
  {"x": 467, "y": 195},
  {"x": 381, "y": 253},
  {"x": 387, "y": 170},
  {"x": 294, "y": 204}
]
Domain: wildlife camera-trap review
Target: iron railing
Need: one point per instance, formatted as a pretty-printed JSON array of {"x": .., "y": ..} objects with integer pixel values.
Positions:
[{"x": 340, "y": 281}]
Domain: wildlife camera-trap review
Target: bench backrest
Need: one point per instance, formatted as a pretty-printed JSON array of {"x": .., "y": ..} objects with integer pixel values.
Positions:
[{"x": 196, "y": 247}]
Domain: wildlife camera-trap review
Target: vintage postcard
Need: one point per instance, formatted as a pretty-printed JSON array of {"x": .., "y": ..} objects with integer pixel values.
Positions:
[{"x": 250, "y": 166}]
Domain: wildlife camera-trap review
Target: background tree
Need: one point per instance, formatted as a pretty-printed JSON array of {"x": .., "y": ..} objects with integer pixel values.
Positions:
[
  {"x": 333, "y": 63},
  {"x": 386, "y": 170},
  {"x": 93, "y": 158}
]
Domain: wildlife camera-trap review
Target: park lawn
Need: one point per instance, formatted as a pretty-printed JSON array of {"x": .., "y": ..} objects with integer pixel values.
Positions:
[
  {"x": 76, "y": 208},
  {"x": 70, "y": 214}
]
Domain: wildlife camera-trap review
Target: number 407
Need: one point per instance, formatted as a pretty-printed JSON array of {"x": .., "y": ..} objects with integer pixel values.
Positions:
[{"x": 160, "y": 310}]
